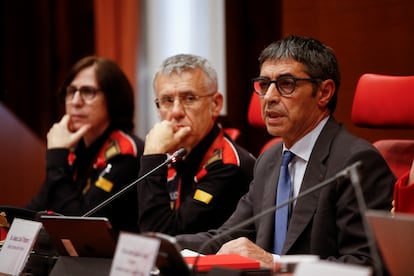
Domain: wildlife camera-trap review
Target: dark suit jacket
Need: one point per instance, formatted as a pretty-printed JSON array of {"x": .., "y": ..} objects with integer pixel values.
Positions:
[{"x": 326, "y": 222}]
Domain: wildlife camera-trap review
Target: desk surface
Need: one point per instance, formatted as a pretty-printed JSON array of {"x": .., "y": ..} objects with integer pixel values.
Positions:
[{"x": 68, "y": 266}]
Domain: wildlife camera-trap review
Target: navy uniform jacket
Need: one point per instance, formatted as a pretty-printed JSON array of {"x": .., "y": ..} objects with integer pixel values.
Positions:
[
  {"x": 326, "y": 222},
  {"x": 76, "y": 181},
  {"x": 200, "y": 192}
]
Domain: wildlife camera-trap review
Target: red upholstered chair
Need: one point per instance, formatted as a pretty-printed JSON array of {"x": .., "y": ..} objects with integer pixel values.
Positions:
[
  {"x": 254, "y": 117},
  {"x": 254, "y": 114},
  {"x": 232, "y": 132},
  {"x": 384, "y": 101}
]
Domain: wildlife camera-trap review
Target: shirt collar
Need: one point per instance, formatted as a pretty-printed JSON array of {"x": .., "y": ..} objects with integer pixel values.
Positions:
[{"x": 303, "y": 148}]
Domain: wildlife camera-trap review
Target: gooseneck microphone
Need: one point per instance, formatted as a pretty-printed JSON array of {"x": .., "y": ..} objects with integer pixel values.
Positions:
[
  {"x": 170, "y": 159},
  {"x": 350, "y": 172}
]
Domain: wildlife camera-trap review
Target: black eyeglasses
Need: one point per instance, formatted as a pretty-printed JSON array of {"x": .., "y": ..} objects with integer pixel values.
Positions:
[
  {"x": 87, "y": 93},
  {"x": 285, "y": 85}
]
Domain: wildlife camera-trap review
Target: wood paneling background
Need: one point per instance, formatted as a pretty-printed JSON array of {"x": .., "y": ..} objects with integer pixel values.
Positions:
[
  {"x": 370, "y": 36},
  {"x": 22, "y": 161}
]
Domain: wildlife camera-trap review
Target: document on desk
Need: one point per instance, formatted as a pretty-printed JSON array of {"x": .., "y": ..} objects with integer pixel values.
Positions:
[
  {"x": 189, "y": 253},
  {"x": 327, "y": 268},
  {"x": 17, "y": 246}
]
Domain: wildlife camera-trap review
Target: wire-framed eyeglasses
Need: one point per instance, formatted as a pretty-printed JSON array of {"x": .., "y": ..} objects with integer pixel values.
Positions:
[
  {"x": 285, "y": 85},
  {"x": 187, "y": 100}
]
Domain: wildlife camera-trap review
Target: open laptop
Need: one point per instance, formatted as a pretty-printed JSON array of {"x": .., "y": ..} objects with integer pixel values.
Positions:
[
  {"x": 81, "y": 236},
  {"x": 394, "y": 234}
]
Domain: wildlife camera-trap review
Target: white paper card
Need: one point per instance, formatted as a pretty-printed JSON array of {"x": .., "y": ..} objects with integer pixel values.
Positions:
[
  {"x": 134, "y": 255},
  {"x": 16, "y": 248},
  {"x": 325, "y": 268},
  {"x": 189, "y": 253}
]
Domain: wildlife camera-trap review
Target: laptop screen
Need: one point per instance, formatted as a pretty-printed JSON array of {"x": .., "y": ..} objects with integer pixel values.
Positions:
[
  {"x": 394, "y": 235},
  {"x": 81, "y": 236}
]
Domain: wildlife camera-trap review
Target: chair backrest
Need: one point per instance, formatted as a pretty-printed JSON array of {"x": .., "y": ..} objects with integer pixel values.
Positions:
[
  {"x": 398, "y": 153},
  {"x": 254, "y": 117},
  {"x": 384, "y": 101},
  {"x": 254, "y": 114},
  {"x": 232, "y": 132}
]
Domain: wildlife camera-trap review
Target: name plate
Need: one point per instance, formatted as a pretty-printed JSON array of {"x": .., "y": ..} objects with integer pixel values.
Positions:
[
  {"x": 16, "y": 248},
  {"x": 134, "y": 255}
]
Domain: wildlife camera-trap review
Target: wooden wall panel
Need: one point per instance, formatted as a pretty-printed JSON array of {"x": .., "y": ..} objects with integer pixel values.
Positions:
[
  {"x": 250, "y": 26},
  {"x": 22, "y": 161},
  {"x": 373, "y": 36},
  {"x": 41, "y": 41}
]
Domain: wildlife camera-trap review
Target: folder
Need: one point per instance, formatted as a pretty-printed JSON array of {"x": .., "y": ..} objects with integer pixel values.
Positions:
[{"x": 234, "y": 261}]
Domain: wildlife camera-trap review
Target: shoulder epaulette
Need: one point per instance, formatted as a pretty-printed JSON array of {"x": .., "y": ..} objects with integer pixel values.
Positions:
[
  {"x": 117, "y": 143},
  {"x": 221, "y": 149}
]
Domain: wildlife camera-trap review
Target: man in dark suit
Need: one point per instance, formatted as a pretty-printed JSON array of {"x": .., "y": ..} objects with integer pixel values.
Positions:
[{"x": 298, "y": 87}]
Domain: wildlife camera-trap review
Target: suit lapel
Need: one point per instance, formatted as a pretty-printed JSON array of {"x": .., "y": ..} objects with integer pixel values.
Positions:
[{"x": 315, "y": 173}]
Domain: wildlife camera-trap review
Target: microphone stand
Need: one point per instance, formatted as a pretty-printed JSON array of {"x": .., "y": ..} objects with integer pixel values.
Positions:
[
  {"x": 355, "y": 180},
  {"x": 336, "y": 177},
  {"x": 170, "y": 159}
]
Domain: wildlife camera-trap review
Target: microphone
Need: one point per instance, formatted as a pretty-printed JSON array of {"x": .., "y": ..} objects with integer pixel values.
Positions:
[
  {"x": 177, "y": 155},
  {"x": 350, "y": 172}
]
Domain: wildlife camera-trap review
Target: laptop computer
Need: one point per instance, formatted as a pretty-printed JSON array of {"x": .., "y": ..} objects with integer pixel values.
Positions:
[
  {"x": 81, "y": 236},
  {"x": 394, "y": 234}
]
